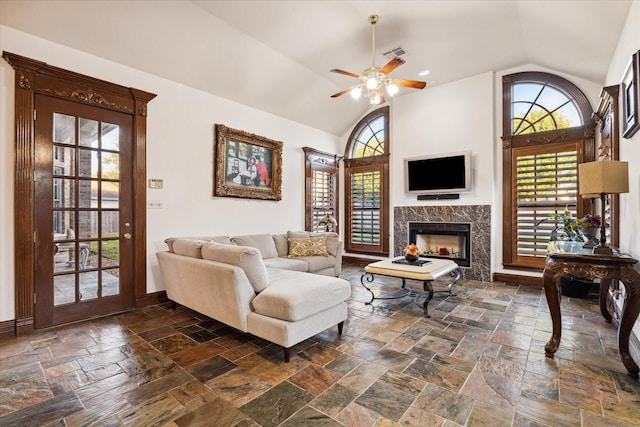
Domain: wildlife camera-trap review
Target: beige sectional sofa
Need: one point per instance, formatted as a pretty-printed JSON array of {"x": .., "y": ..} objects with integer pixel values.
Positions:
[{"x": 261, "y": 284}]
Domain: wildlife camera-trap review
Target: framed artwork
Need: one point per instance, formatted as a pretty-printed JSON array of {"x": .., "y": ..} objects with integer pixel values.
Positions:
[
  {"x": 252, "y": 169},
  {"x": 630, "y": 94}
]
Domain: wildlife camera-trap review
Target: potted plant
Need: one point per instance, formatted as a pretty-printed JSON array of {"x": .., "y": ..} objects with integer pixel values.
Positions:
[
  {"x": 568, "y": 231},
  {"x": 568, "y": 236}
]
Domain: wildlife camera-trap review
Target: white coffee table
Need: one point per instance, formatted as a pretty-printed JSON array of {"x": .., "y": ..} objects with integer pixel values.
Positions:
[{"x": 426, "y": 273}]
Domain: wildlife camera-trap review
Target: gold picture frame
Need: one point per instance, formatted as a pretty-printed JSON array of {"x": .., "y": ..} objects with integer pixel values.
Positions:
[
  {"x": 630, "y": 91},
  {"x": 246, "y": 165}
]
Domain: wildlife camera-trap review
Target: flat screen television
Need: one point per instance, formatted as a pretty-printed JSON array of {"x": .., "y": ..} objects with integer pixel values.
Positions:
[{"x": 438, "y": 173}]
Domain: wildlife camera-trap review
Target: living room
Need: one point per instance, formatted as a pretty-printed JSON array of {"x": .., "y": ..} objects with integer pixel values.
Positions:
[{"x": 460, "y": 115}]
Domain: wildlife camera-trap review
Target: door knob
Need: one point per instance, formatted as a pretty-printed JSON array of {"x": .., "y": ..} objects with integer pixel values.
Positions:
[{"x": 127, "y": 236}]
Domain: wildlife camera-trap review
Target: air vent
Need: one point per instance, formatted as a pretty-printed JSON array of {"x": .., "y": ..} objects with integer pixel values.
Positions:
[{"x": 396, "y": 52}]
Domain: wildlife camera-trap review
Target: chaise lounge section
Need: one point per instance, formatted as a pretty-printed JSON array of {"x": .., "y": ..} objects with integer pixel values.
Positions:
[{"x": 233, "y": 284}]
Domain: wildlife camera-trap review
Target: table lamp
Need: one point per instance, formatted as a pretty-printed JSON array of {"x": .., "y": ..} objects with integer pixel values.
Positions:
[
  {"x": 328, "y": 222},
  {"x": 603, "y": 177}
]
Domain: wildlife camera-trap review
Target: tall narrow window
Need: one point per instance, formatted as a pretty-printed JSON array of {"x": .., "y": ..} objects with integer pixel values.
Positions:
[
  {"x": 547, "y": 132},
  {"x": 321, "y": 188},
  {"x": 367, "y": 185}
]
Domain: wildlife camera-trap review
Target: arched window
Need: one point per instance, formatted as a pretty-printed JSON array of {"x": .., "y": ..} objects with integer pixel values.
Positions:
[
  {"x": 547, "y": 132},
  {"x": 367, "y": 185}
]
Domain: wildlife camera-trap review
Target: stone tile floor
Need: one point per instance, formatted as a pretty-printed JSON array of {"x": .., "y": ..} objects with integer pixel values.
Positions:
[{"x": 478, "y": 361}]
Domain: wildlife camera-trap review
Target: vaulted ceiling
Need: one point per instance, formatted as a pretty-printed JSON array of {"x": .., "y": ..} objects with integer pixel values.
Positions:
[{"x": 276, "y": 55}]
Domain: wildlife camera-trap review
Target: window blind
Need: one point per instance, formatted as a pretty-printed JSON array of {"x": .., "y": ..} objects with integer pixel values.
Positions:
[
  {"x": 365, "y": 207},
  {"x": 322, "y": 197},
  {"x": 545, "y": 183}
]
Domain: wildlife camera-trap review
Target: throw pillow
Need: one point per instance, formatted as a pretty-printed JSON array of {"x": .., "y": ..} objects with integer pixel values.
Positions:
[
  {"x": 333, "y": 240},
  {"x": 245, "y": 257},
  {"x": 312, "y": 246}
]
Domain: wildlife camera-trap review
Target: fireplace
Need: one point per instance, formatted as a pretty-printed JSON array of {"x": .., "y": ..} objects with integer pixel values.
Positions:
[
  {"x": 443, "y": 240},
  {"x": 479, "y": 239}
]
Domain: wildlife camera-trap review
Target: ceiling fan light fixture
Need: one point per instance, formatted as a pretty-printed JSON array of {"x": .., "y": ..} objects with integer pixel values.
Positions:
[
  {"x": 375, "y": 97},
  {"x": 372, "y": 82},
  {"x": 356, "y": 92},
  {"x": 392, "y": 88}
]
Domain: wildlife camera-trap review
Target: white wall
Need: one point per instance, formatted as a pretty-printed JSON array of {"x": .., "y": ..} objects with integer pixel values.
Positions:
[
  {"x": 180, "y": 136},
  {"x": 629, "y": 148},
  {"x": 452, "y": 117}
]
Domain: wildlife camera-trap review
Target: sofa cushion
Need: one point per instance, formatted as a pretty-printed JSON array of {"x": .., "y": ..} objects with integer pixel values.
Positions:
[
  {"x": 333, "y": 240},
  {"x": 311, "y": 246},
  {"x": 245, "y": 257},
  {"x": 188, "y": 247},
  {"x": 293, "y": 296},
  {"x": 294, "y": 264},
  {"x": 317, "y": 263},
  {"x": 282, "y": 246},
  {"x": 220, "y": 239},
  {"x": 263, "y": 242}
]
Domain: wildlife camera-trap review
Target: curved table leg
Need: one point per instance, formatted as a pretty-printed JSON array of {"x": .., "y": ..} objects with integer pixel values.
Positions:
[
  {"x": 369, "y": 278},
  {"x": 552, "y": 292},
  {"x": 428, "y": 287},
  {"x": 630, "y": 311},
  {"x": 604, "y": 293}
]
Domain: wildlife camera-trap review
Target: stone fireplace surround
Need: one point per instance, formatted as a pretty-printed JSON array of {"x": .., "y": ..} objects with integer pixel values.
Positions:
[{"x": 479, "y": 216}]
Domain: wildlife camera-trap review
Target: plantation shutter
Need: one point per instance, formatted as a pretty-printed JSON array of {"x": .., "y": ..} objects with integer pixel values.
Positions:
[
  {"x": 365, "y": 208},
  {"x": 323, "y": 193},
  {"x": 546, "y": 181}
]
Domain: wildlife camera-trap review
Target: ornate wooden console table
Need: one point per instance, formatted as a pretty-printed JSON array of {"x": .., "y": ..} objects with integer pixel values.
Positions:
[{"x": 602, "y": 267}]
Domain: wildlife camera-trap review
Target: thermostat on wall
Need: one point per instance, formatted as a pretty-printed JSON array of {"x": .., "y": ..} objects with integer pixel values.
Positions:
[{"x": 155, "y": 183}]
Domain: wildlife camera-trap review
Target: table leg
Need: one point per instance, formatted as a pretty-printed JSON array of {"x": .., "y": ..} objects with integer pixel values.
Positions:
[
  {"x": 604, "y": 294},
  {"x": 630, "y": 311},
  {"x": 369, "y": 278},
  {"x": 428, "y": 288},
  {"x": 552, "y": 292}
]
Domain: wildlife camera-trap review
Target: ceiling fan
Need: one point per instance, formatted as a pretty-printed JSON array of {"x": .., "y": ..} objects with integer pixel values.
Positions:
[{"x": 374, "y": 79}]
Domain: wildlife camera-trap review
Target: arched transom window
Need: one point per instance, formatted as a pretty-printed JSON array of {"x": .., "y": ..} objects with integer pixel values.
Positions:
[{"x": 540, "y": 107}]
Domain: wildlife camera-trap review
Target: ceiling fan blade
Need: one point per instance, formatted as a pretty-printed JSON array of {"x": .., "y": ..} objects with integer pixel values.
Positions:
[
  {"x": 410, "y": 83},
  {"x": 392, "y": 65},
  {"x": 335, "y": 95},
  {"x": 346, "y": 73}
]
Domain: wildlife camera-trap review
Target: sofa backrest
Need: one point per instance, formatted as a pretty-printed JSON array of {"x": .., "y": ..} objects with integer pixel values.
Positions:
[
  {"x": 218, "y": 239},
  {"x": 263, "y": 242}
]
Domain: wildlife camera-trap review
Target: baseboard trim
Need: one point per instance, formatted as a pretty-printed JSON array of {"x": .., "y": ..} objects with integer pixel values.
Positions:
[
  {"x": 517, "y": 279},
  {"x": 154, "y": 298},
  {"x": 8, "y": 329},
  {"x": 358, "y": 260}
]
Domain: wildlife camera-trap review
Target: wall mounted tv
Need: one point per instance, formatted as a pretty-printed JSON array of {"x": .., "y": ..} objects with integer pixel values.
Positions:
[{"x": 438, "y": 173}]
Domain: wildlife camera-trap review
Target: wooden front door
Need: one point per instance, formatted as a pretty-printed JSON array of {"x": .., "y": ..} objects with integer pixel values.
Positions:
[{"x": 84, "y": 230}]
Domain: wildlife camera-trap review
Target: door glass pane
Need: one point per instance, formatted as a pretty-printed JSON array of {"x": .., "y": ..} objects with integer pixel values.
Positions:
[
  {"x": 110, "y": 137},
  {"x": 110, "y": 281},
  {"x": 110, "y": 195},
  {"x": 63, "y": 223},
  {"x": 87, "y": 163},
  {"x": 64, "y": 160},
  {"x": 64, "y": 289},
  {"x": 88, "y": 133},
  {"x": 88, "y": 224},
  {"x": 64, "y": 129},
  {"x": 110, "y": 253},
  {"x": 63, "y": 193},
  {"x": 110, "y": 221},
  {"x": 110, "y": 165},
  {"x": 88, "y": 193},
  {"x": 88, "y": 285}
]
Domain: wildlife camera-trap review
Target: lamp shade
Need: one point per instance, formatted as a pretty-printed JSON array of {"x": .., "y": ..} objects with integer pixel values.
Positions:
[{"x": 606, "y": 176}]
